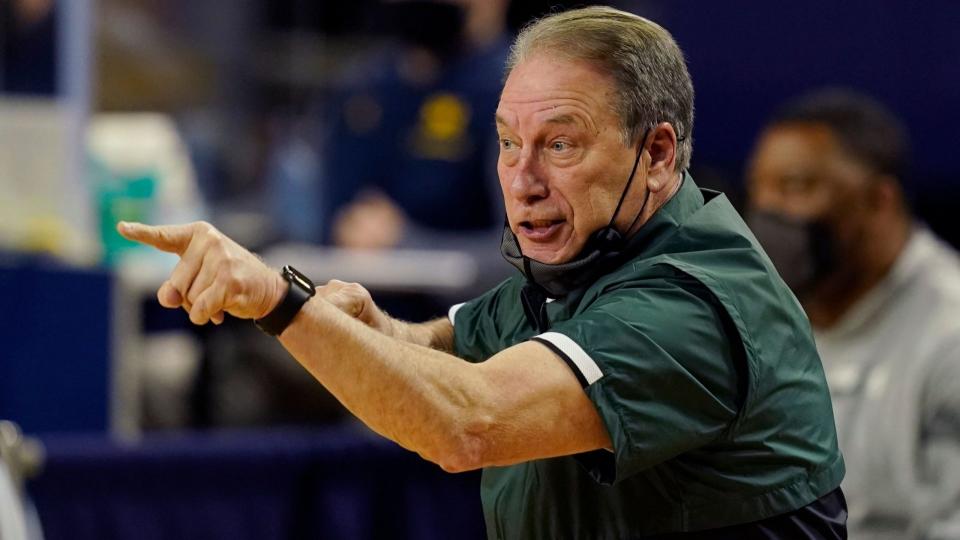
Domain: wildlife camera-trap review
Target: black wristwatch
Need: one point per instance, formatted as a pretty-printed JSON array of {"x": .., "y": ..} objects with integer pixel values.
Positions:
[{"x": 299, "y": 290}]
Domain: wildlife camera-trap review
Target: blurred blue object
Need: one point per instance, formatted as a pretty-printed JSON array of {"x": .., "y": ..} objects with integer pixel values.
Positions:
[
  {"x": 747, "y": 57},
  {"x": 423, "y": 135},
  {"x": 295, "y": 176},
  {"x": 54, "y": 327},
  {"x": 257, "y": 485},
  {"x": 28, "y": 48}
]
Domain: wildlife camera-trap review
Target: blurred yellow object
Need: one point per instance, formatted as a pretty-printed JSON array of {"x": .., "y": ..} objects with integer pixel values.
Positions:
[
  {"x": 444, "y": 116},
  {"x": 43, "y": 203},
  {"x": 441, "y": 133},
  {"x": 44, "y": 233}
]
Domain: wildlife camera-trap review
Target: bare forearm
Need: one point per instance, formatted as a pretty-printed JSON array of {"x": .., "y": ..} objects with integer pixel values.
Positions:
[
  {"x": 424, "y": 399},
  {"x": 436, "y": 334},
  {"x": 355, "y": 301},
  {"x": 457, "y": 414}
]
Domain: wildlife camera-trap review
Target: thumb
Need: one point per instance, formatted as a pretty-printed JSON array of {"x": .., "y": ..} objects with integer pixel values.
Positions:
[{"x": 169, "y": 238}]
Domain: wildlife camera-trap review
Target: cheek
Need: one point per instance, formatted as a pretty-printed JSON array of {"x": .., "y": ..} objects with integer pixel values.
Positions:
[
  {"x": 589, "y": 204},
  {"x": 503, "y": 173},
  {"x": 807, "y": 207},
  {"x": 849, "y": 214},
  {"x": 818, "y": 201},
  {"x": 761, "y": 195},
  {"x": 504, "y": 188}
]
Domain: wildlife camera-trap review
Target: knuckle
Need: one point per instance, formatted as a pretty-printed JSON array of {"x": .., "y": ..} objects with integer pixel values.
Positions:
[
  {"x": 207, "y": 233},
  {"x": 177, "y": 283},
  {"x": 215, "y": 241},
  {"x": 225, "y": 265},
  {"x": 233, "y": 282}
]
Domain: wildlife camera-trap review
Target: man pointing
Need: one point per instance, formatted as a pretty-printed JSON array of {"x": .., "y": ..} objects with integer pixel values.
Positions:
[{"x": 645, "y": 373}]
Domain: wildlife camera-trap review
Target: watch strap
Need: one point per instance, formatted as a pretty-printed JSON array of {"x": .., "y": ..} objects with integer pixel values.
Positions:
[{"x": 299, "y": 290}]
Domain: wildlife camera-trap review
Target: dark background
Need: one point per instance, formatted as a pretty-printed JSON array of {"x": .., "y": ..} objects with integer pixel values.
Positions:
[{"x": 267, "y": 63}]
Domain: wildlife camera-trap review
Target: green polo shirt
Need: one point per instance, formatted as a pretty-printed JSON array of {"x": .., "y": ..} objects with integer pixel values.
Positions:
[{"x": 701, "y": 365}]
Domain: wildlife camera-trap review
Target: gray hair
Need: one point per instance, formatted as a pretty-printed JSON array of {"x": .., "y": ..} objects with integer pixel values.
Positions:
[{"x": 648, "y": 68}]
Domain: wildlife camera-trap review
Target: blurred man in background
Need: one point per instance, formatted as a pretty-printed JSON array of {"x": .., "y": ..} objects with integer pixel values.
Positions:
[
  {"x": 883, "y": 296},
  {"x": 410, "y": 158},
  {"x": 405, "y": 158}
]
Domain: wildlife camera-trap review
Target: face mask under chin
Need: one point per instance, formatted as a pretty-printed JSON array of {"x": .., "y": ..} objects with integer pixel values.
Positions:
[{"x": 603, "y": 249}]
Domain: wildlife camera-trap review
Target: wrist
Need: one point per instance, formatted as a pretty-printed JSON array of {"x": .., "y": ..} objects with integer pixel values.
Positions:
[
  {"x": 276, "y": 291},
  {"x": 290, "y": 291},
  {"x": 398, "y": 329}
]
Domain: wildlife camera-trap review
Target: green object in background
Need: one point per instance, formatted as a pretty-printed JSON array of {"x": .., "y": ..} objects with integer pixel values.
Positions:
[{"x": 122, "y": 196}]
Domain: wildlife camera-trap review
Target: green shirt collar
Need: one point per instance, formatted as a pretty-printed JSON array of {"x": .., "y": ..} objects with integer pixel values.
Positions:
[{"x": 671, "y": 216}]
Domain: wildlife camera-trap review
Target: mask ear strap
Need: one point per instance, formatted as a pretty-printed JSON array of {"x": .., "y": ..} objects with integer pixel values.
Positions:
[
  {"x": 633, "y": 171},
  {"x": 645, "y": 198},
  {"x": 639, "y": 213}
]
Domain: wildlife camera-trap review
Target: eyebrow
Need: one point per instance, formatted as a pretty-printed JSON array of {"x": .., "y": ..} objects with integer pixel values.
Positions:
[
  {"x": 563, "y": 119},
  {"x": 558, "y": 119}
]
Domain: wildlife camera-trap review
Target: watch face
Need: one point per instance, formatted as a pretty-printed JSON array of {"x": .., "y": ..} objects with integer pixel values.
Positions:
[{"x": 294, "y": 275}]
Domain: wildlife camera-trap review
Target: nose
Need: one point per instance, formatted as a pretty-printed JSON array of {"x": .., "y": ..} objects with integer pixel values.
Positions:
[{"x": 528, "y": 183}]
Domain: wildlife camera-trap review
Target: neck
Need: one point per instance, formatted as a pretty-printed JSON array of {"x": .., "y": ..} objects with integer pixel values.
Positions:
[
  {"x": 656, "y": 202},
  {"x": 837, "y": 295}
]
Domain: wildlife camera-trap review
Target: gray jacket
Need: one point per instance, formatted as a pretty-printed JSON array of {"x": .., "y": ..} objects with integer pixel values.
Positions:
[{"x": 893, "y": 366}]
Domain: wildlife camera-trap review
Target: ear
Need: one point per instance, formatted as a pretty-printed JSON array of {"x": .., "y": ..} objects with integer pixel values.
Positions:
[{"x": 662, "y": 149}]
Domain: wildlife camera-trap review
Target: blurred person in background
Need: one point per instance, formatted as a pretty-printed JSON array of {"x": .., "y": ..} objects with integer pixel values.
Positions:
[
  {"x": 27, "y": 47},
  {"x": 882, "y": 292},
  {"x": 404, "y": 156},
  {"x": 410, "y": 156}
]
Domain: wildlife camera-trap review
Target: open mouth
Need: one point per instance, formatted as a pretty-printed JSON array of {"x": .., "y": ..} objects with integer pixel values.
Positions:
[{"x": 541, "y": 229}]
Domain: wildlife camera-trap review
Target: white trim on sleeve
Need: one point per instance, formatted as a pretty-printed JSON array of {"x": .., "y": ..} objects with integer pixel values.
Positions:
[
  {"x": 452, "y": 314},
  {"x": 588, "y": 368}
]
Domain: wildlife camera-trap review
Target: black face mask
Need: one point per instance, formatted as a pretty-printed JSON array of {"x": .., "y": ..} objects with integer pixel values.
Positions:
[
  {"x": 803, "y": 251},
  {"x": 605, "y": 248}
]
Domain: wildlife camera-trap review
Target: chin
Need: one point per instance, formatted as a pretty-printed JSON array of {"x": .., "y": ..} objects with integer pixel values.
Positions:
[{"x": 545, "y": 254}]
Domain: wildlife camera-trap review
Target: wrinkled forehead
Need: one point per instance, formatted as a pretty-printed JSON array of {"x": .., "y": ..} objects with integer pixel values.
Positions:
[{"x": 549, "y": 86}]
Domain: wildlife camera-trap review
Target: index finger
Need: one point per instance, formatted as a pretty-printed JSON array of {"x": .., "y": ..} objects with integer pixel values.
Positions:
[{"x": 169, "y": 238}]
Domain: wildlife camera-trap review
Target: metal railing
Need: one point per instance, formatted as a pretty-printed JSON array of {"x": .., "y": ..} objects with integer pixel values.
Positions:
[{"x": 20, "y": 458}]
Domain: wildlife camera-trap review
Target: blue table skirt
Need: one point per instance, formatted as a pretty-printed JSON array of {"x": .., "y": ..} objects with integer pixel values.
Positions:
[{"x": 278, "y": 484}]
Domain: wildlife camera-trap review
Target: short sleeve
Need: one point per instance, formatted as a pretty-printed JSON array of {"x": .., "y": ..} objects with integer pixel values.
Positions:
[
  {"x": 656, "y": 361},
  {"x": 486, "y": 325}
]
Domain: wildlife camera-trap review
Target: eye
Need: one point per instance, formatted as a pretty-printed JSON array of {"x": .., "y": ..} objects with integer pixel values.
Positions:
[
  {"x": 507, "y": 144},
  {"x": 561, "y": 147}
]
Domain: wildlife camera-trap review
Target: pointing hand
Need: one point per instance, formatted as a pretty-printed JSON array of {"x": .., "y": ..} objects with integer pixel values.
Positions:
[{"x": 215, "y": 275}]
